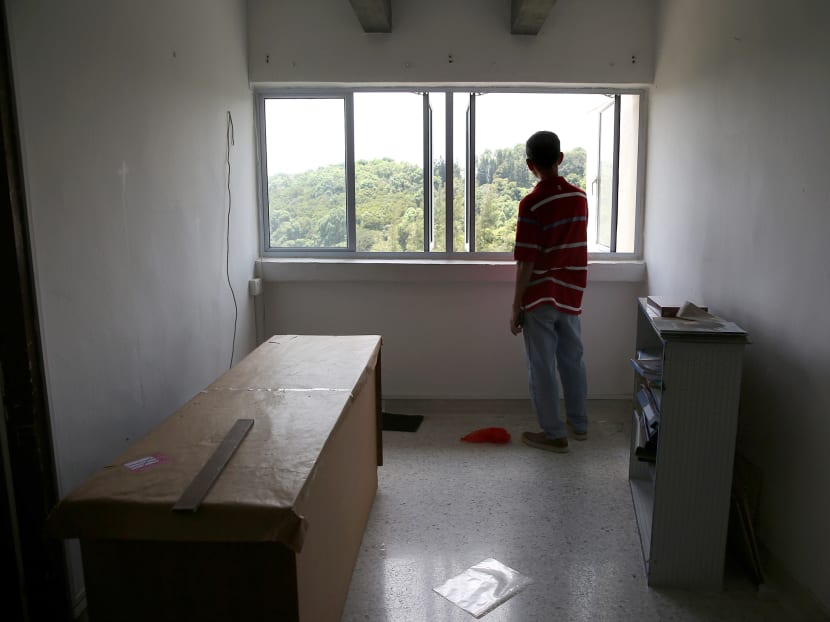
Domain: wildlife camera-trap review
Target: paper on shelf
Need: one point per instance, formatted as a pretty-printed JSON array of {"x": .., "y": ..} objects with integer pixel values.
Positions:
[{"x": 690, "y": 311}]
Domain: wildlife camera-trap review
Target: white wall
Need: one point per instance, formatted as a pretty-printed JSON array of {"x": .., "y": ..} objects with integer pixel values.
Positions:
[
  {"x": 445, "y": 327},
  {"x": 445, "y": 336},
  {"x": 122, "y": 109},
  {"x": 581, "y": 41},
  {"x": 738, "y": 215}
]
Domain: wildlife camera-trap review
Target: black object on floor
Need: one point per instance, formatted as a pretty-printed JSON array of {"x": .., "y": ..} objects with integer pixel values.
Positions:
[{"x": 401, "y": 423}]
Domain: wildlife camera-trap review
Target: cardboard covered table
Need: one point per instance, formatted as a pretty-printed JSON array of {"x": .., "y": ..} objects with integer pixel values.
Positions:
[{"x": 277, "y": 535}]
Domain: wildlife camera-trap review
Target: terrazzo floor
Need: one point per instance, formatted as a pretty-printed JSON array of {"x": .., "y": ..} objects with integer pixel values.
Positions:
[{"x": 566, "y": 521}]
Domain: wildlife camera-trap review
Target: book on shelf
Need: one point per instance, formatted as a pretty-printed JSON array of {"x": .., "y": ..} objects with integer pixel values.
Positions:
[
  {"x": 645, "y": 433},
  {"x": 649, "y": 355},
  {"x": 654, "y": 394},
  {"x": 651, "y": 416},
  {"x": 646, "y": 444},
  {"x": 668, "y": 307},
  {"x": 651, "y": 366},
  {"x": 652, "y": 374}
]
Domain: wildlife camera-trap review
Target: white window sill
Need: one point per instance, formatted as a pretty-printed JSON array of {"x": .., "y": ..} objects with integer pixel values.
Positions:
[{"x": 432, "y": 271}]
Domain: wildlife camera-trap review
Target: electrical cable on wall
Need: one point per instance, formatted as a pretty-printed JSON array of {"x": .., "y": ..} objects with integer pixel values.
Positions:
[{"x": 230, "y": 141}]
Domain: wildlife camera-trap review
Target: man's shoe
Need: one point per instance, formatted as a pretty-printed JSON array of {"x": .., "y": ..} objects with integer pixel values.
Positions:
[
  {"x": 578, "y": 436},
  {"x": 540, "y": 441}
]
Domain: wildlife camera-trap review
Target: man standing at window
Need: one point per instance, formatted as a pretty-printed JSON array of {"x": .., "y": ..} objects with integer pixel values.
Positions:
[{"x": 551, "y": 273}]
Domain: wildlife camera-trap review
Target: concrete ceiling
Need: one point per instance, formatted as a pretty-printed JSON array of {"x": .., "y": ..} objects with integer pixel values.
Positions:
[
  {"x": 526, "y": 16},
  {"x": 374, "y": 15}
]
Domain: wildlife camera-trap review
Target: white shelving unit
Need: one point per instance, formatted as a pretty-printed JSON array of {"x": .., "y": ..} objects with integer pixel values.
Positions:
[{"x": 681, "y": 499}]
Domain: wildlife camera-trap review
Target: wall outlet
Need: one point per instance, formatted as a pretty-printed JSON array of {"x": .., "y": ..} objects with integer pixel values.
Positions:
[{"x": 255, "y": 286}]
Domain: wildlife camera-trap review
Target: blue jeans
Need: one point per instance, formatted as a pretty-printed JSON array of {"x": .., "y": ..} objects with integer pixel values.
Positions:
[{"x": 553, "y": 340}]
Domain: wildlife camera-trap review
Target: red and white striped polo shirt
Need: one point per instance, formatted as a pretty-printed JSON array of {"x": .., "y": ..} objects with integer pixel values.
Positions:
[{"x": 552, "y": 232}]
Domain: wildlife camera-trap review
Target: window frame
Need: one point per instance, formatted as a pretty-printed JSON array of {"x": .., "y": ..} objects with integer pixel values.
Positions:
[{"x": 346, "y": 93}]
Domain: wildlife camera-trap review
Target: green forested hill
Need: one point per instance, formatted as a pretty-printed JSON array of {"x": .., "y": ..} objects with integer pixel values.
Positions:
[{"x": 308, "y": 209}]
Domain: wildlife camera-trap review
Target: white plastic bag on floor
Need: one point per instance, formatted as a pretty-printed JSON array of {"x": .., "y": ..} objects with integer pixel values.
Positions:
[{"x": 483, "y": 587}]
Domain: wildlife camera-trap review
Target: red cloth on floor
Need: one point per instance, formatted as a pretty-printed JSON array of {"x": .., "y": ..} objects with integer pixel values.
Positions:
[{"x": 488, "y": 435}]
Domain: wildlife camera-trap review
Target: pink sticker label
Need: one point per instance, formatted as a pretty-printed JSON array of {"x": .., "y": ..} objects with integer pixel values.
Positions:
[{"x": 146, "y": 462}]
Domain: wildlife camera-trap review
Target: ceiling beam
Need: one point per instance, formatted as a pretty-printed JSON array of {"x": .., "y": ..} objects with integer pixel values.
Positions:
[
  {"x": 527, "y": 16},
  {"x": 374, "y": 15}
]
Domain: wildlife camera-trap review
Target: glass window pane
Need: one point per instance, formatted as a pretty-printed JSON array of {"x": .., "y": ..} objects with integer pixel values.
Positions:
[
  {"x": 627, "y": 193},
  {"x": 438, "y": 107},
  {"x": 308, "y": 194},
  {"x": 460, "y": 107},
  {"x": 502, "y": 177},
  {"x": 389, "y": 172},
  {"x": 305, "y": 143},
  {"x": 605, "y": 178}
]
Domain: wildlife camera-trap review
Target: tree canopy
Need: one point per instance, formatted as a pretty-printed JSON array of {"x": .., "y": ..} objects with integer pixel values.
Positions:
[{"x": 308, "y": 210}]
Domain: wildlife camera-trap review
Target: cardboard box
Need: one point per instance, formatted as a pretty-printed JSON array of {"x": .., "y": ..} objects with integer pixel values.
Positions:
[{"x": 277, "y": 536}]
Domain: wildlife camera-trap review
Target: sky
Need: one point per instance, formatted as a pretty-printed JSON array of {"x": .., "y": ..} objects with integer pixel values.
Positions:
[{"x": 390, "y": 125}]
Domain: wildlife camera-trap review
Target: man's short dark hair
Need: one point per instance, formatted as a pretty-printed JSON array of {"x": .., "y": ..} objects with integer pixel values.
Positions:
[{"x": 543, "y": 149}]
